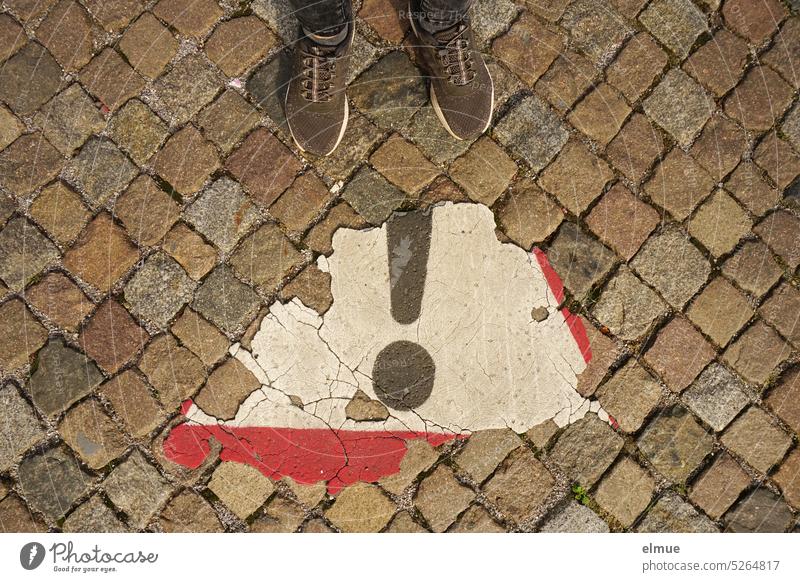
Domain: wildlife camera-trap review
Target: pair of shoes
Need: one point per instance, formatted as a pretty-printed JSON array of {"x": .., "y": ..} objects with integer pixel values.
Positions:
[{"x": 461, "y": 89}]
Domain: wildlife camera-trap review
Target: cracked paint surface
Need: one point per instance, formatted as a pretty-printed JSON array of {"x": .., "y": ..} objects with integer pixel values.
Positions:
[{"x": 497, "y": 365}]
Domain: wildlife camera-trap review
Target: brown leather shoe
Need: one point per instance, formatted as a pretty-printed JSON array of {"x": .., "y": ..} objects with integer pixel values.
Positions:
[{"x": 461, "y": 89}]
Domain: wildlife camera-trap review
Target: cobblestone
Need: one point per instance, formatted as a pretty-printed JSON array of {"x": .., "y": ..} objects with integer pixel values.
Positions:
[
  {"x": 69, "y": 118},
  {"x": 716, "y": 396},
  {"x": 63, "y": 376},
  {"x": 625, "y": 491},
  {"x": 781, "y": 311},
  {"x": 679, "y": 353},
  {"x": 680, "y": 106},
  {"x": 627, "y": 307},
  {"x": 586, "y": 449},
  {"x": 676, "y": 23},
  {"x": 675, "y": 443},
  {"x": 720, "y": 311},
  {"x": 720, "y": 486},
  {"x": 575, "y": 518},
  {"x": 137, "y": 488},
  {"x": 576, "y": 177},
  {"x": 630, "y": 395},
  {"x": 60, "y": 210},
  {"x": 757, "y": 352},
  {"x": 22, "y": 429},
  {"x": 753, "y": 268},
  {"x": 759, "y": 512},
  {"x": 111, "y": 337},
  {"x": 361, "y": 508},
  {"x": 53, "y": 481},
  {"x": 755, "y": 438},
  {"x": 21, "y": 335},
  {"x": 91, "y": 433},
  {"x": 159, "y": 289},
  {"x": 441, "y": 498},
  {"x": 672, "y": 514}
]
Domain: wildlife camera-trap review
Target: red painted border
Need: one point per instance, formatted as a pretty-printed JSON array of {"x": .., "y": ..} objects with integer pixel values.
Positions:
[{"x": 574, "y": 322}]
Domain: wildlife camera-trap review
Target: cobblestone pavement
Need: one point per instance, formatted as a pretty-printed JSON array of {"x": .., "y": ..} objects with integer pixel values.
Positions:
[{"x": 153, "y": 208}]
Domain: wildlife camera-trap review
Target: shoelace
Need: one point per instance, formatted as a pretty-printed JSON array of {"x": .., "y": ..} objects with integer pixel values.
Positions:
[
  {"x": 319, "y": 71},
  {"x": 456, "y": 58}
]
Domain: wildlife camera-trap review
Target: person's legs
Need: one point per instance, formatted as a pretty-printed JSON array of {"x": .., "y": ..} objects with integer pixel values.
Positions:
[
  {"x": 316, "y": 104},
  {"x": 322, "y": 17},
  {"x": 437, "y": 15}
]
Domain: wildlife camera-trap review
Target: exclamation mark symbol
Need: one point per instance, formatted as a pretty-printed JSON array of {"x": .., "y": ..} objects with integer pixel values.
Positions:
[{"x": 404, "y": 371}]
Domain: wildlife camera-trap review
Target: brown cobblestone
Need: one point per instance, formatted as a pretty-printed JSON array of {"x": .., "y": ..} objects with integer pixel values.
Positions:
[
  {"x": 755, "y": 438},
  {"x": 132, "y": 401},
  {"x": 586, "y": 449},
  {"x": 759, "y": 100},
  {"x": 264, "y": 166},
  {"x": 637, "y": 66},
  {"x": 719, "y": 224},
  {"x": 266, "y": 257},
  {"x": 719, "y": 487},
  {"x": 757, "y": 353},
  {"x": 111, "y": 79},
  {"x": 28, "y": 163},
  {"x": 675, "y": 443},
  {"x": 102, "y": 254},
  {"x": 528, "y": 48},
  {"x": 189, "y": 249},
  {"x": 226, "y": 388},
  {"x": 186, "y": 160},
  {"x": 186, "y": 88},
  {"x": 312, "y": 286},
  {"x": 601, "y": 114},
  {"x": 718, "y": 64},
  {"x": 189, "y": 17},
  {"x": 527, "y": 215},
  {"x": 136, "y": 487},
  {"x": 34, "y": 68},
  {"x": 604, "y": 353},
  {"x": 69, "y": 119},
  {"x": 360, "y": 508},
  {"x": 12, "y": 36},
  {"x": 630, "y": 395},
  {"x": 679, "y": 354},
  {"x": 627, "y": 307},
  {"x": 781, "y": 232},
  {"x": 782, "y": 309},
  {"x": 635, "y": 147},
  {"x": 201, "y": 337},
  {"x": 622, "y": 221},
  {"x": 776, "y": 156},
  {"x": 114, "y": 15},
  {"x": 382, "y": 16},
  {"x": 720, "y": 311},
  {"x": 101, "y": 170},
  {"x": 596, "y": 28},
  {"x": 625, "y": 491},
  {"x": 570, "y": 75},
  {"x": 301, "y": 203},
  {"x": 788, "y": 478},
  {"x": 10, "y": 127},
  {"x": 753, "y": 268},
  {"x": 188, "y": 512},
  {"x": 484, "y": 172},
  {"x": 576, "y": 177},
  {"x": 227, "y": 120},
  {"x": 67, "y": 32},
  {"x": 24, "y": 252},
  {"x": 39, "y": 474},
  {"x": 20, "y": 335},
  {"x": 751, "y": 190},
  {"x": 172, "y": 370},
  {"x": 238, "y": 44},
  {"x": 60, "y": 300},
  {"x": 719, "y": 147},
  {"x": 148, "y": 45},
  {"x": 112, "y": 337},
  {"x": 146, "y": 211},
  {"x": 62, "y": 377},
  {"x": 784, "y": 56},
  {"x": 403, "y": 165},
  {"x": 754, "y": 20},
  {"x": 91, "y": 433},
  {"x": 441, "y": 498},
  {"x": 679, "y": 184}
]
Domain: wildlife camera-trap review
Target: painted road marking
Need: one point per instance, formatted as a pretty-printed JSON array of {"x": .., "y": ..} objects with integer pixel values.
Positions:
[{"x": 464, "y": 299}]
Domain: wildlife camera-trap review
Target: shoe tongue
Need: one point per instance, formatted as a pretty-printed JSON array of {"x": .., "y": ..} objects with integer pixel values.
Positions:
[{"x": 445, "y": 36}]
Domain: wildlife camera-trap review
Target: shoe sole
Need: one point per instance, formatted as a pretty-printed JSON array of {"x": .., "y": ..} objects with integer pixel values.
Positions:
[
  {"x": 341, "y": 131},
  {"x": 435, "y": 101}
]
